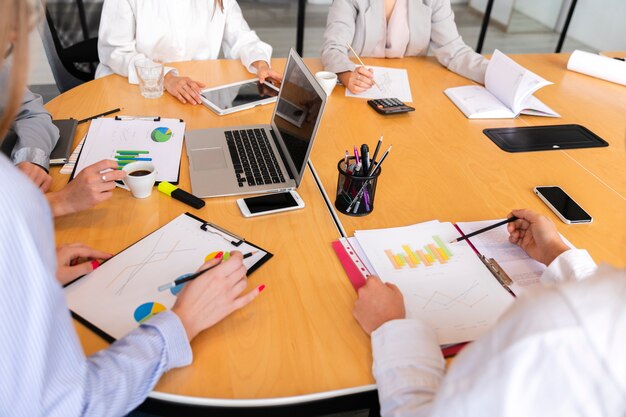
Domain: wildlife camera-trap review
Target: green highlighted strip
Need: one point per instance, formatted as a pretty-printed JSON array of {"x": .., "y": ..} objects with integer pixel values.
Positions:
[
  {"x": 132, "y": 152},
  {"x": 442, "y": 246}
]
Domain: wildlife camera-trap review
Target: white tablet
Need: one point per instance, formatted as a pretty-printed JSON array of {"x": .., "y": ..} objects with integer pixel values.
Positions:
[{"x": 238, "y": 96}]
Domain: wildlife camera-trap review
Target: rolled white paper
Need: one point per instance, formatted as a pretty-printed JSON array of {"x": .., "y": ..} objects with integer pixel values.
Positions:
[{"x": 598, "y": 66}]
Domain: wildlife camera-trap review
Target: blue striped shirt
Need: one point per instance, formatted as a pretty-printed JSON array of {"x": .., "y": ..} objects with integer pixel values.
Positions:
[{"x": 43, "y": 370}]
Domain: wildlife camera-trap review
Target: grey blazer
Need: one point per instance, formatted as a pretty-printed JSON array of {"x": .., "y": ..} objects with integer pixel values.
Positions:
[
  {"x": 431, "y": 24},
  {"x": 32, "y": 136}
]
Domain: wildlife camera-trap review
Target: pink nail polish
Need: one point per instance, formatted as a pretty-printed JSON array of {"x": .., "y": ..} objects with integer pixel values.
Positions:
[
  {"x": 219, "y": 255},
  {"x": 261, "y": 287}
]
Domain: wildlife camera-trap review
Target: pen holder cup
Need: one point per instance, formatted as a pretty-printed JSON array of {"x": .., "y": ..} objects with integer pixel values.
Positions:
[{"x": 355, "y": 193}]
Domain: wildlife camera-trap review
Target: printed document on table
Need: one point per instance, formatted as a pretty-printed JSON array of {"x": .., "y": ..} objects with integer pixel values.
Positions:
[
  {"x": 445, "y": 285},
  {"x": 393, "y": 83},
  {"x": 521, "y": 268}
]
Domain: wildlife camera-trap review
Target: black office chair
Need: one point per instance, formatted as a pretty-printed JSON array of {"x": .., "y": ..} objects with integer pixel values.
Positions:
[{"x": 70, "y": 38}]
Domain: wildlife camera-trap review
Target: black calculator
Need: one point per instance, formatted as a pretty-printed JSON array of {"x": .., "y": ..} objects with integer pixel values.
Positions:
[{"x": 389, "y": 106}]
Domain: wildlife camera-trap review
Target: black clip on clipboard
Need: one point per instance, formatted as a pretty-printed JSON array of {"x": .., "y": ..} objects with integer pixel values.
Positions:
[{"x": 239, "y": 240}]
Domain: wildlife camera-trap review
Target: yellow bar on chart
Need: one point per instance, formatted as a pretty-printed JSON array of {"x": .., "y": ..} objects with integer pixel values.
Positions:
[
  {"x": 400, "y": 261},
  {"x": 435, "y": 252},
  {"x": 411, "y": 256},
  {"x": 443, "y": 255},
  {"x": 429, "y": 254},
  {"x": 423, "y": 257},
  {"x": 393, "y": 260}
]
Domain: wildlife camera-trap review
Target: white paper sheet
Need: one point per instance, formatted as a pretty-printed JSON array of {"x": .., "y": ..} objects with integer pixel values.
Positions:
[
  {"x": 457, "y": 296},
  {"x": 107, "y": 136},
  {"x": 598, "y": 66},
  {"x": 112, "y": 296},
  {"x": 521, "y": 268},
  {"x": 393, "y": 83}
]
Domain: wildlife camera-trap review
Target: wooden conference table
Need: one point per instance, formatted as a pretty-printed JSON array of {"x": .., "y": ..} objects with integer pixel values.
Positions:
[{"x": 298, "y": 341}]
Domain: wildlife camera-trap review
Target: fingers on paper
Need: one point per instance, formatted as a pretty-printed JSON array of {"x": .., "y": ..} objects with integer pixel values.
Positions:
[
  {"x": 83, "y": 251},
  {"x": 103, "y": 165}
]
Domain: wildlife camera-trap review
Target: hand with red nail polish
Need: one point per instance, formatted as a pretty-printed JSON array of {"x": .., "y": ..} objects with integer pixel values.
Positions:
[
  {"x": 76, "y": 260},
  {"x": 215, "y": 294}
]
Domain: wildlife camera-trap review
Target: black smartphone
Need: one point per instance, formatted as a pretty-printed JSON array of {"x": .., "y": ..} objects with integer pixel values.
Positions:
[{"x": 562, "y": 205}]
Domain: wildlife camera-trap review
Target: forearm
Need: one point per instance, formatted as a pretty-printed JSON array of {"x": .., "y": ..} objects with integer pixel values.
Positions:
[
  {"x": 119, "y": 378},
  {"x": 240, "y": 42},
  {"x": 449, "y": 47},
  {"x": 408, "y": 367},
  {"x": 339, "y": 32},
  {"x": 58, "y": 203}
]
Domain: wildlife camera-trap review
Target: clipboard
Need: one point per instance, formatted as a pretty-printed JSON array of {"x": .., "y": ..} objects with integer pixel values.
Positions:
[
  {"x": 135, "y": 138},
  {"x": 123, "y": 292},
  {"x": 63, "y": 148},
  {"x": 447, "y": 299}
]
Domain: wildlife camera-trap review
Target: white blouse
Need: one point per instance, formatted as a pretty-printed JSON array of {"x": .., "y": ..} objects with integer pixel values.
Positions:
[{"x": 173, "y": 30}]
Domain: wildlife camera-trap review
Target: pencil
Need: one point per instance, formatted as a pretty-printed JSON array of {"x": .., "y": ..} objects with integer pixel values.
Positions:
[
  {"x": 485, "y": 229},
  {"x": 106, "y": 113},
  {"x": 195, "y": 275},
  {"x": 380, "y": 142},
  {"x": 361, "y": 62}
]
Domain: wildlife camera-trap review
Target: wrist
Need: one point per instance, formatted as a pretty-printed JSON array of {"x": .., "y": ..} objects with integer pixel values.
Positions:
[
  {"x": 344, "y": 77},
  {"x": 555, "y": 251},
  {"x": 58, "y": 204},
  {"x": 261, "y": 65}
]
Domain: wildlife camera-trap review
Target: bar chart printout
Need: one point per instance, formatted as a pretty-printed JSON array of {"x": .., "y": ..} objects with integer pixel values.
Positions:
[
  {"x": 432, "y": 253},
  {"x": 444, "y": 284}
]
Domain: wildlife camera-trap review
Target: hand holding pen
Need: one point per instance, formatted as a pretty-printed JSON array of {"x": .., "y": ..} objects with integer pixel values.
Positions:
[{"x": 206, "y": 301}]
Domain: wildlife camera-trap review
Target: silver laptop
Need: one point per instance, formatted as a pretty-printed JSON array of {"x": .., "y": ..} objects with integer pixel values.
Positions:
[{"x": 260, "y": 158}]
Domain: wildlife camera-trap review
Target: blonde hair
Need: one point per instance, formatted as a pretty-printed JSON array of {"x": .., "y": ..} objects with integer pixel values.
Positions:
[{"x": 16, "y": 21}]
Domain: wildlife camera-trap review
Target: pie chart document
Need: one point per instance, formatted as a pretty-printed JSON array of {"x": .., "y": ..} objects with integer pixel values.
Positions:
[
  {"x": 124, "y": 291},
  {"x": 156, "y": 140}
]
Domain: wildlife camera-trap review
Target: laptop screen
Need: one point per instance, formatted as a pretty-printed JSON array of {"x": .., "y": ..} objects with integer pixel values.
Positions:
[{"x": 297, "y": 113}]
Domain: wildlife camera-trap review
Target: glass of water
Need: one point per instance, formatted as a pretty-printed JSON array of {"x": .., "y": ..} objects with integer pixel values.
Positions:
[{"x": 150, "y": 76}]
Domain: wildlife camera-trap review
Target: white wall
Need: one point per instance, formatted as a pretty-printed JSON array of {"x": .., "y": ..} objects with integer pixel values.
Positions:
[
  {"x": 601, "y": 25},
  {"x": 501, "y": 11},
  {"x": 540, "y": 10}
]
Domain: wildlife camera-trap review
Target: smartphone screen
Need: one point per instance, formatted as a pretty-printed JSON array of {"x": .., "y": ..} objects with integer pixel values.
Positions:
[
  {"x": 270, "y": 202},
  {"x": 564, "y": 204}
]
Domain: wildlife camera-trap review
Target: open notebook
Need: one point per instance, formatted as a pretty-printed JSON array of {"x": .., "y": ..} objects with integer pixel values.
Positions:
[{"x": 508, "y": 91}]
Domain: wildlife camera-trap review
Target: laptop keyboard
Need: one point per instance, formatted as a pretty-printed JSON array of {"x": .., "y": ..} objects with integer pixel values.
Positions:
[{"x": 253, "y": 157}]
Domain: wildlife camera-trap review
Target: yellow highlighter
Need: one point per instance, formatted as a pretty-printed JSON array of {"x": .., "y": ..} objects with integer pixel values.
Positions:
[{"x": 180, "y": 195}]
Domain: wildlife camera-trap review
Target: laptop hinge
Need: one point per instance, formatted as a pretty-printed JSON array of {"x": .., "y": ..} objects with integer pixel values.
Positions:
[{"x": 282, "y": 155}]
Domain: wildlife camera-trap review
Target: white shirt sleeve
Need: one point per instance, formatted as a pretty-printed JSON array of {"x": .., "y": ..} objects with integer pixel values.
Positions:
[
  {"x": 408, "y": 367},
  {"x": 571, "y": 265},
  {"x": 240, "y": 42},
  {"x": 117, "y": 39}
]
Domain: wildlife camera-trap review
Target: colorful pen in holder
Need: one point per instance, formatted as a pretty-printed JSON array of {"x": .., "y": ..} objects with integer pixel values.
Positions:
[{"x": 355, "y": 189}]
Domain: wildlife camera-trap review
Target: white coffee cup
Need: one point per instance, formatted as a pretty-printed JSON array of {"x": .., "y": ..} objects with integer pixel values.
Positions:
[
  {"x": 140, "y": 184},
  {"x": 327, "y": 79}
]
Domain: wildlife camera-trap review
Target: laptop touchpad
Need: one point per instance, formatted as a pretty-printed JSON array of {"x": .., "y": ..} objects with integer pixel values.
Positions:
[{"x": 210, "y": 158}]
